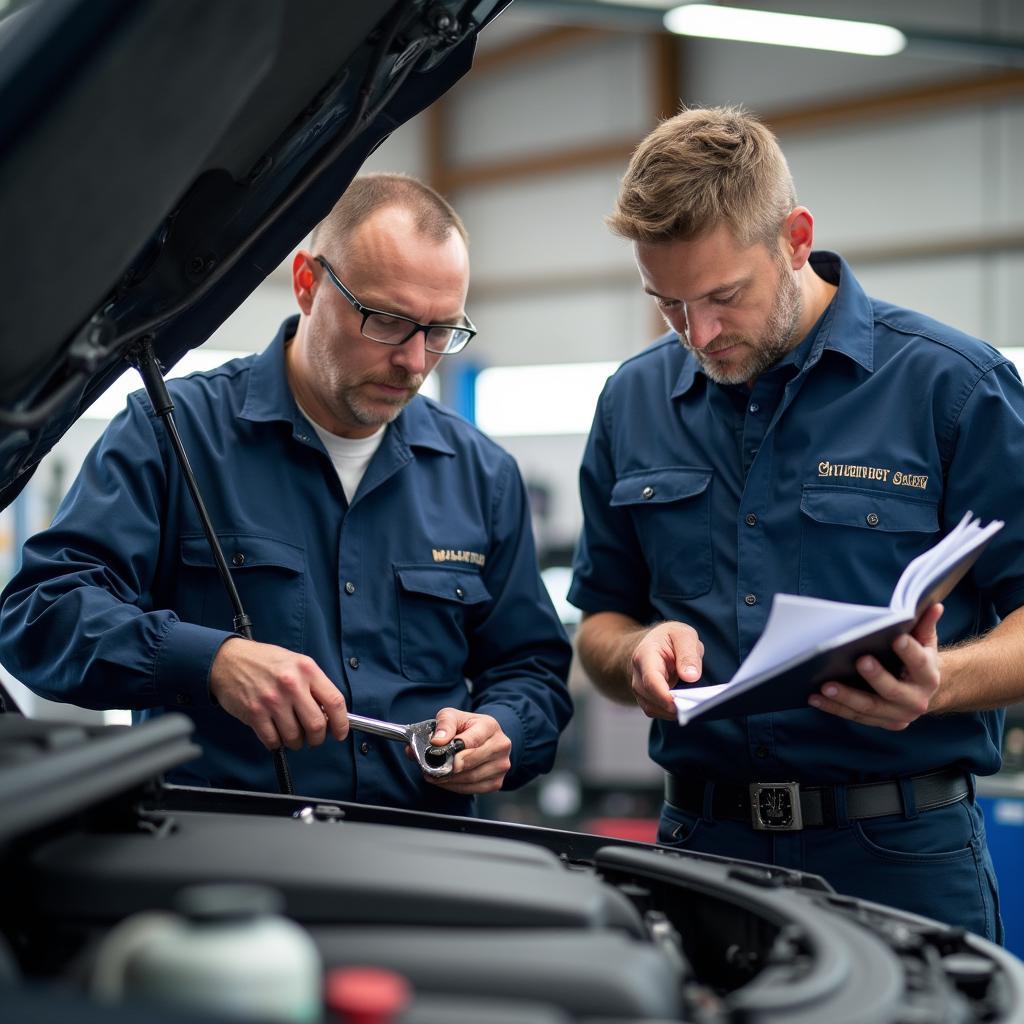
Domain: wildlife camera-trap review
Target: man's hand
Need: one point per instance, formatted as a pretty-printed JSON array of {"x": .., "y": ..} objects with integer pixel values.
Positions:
[
  {"x": 482, "y": 766},
  {"x": 668, "y": 653},
  {"x": 895, "y": 702},
  {"x": 283, "y": 696}
]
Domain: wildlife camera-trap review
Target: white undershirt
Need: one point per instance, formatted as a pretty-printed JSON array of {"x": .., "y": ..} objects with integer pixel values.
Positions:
[{"x": 349, "y": 455}]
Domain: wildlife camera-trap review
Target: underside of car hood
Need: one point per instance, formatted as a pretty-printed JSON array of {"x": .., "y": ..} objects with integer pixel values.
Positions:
[{"x": 158, "y": 158}]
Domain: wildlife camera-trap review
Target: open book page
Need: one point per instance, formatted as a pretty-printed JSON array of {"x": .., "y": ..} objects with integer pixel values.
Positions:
[
  {"x": 807, "y": 641},
  {"x": 934, "y": 564},
  {"x": 690, "y": 697},
  {"x": 797, "y": 624}
]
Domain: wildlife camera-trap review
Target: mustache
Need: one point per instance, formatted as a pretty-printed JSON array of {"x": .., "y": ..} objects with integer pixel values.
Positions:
[
  {"x": 722, "y": 344},
  {"x": 412, "y": 382}
]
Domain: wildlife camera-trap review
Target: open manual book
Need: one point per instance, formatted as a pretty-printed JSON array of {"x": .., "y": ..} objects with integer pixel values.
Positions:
[{"x": 808, "y": 641}]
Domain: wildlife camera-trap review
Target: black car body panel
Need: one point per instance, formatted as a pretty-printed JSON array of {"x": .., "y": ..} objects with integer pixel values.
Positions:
[{"x": 177, "y": 150}]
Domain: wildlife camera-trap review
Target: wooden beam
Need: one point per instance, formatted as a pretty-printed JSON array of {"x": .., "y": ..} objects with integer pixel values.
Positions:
[
  {"x": 511, "y": 288},
  {"x": 889, "y": 105},
  {"x": 665, "y": 61},
  {"x": 895, "y": 103},
  {"x": 548, "y": 162},
  {"x": 553, "y": 283},
  {"x": 990, "y": 243},
  {"x": 540, "y": 44},
  {"x": 438, "y": 143}
]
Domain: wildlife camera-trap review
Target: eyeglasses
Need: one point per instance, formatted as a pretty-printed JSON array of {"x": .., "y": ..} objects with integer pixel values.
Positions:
[{"x": 393, "y": 329}]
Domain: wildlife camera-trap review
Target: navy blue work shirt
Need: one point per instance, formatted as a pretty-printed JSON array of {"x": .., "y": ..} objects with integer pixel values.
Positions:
[
  {"x": 421, "y": 594},
  {"x": 847, "y": 459}
]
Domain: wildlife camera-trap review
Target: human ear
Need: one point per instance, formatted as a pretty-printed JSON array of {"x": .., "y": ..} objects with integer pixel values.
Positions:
[
  {"x": 798, "y": 235},
  {"x": 303, "y": 280}
]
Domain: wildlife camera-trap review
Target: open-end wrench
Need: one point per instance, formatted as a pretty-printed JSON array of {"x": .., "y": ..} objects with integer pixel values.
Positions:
[{"x": 437, "y": 762}]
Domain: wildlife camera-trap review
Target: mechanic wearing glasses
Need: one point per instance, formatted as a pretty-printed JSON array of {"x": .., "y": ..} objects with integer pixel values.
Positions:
[
  {"x": 380, "y": 544},
  {"x": 790, "y": 434}
]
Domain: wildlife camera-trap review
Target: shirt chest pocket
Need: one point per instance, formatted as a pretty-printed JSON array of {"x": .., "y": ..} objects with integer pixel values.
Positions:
[
  {"x": 855, "y": 542},
  {"x": 270, "y": 575},
  {"x": 436, "y": 608},
  {"x": 671, "y": 513}
]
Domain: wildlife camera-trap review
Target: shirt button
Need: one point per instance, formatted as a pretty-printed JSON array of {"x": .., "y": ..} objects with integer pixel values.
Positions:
[
  {"x": 761, "y": 752},
  {"x": 754, "y": 407},
  {"x": 350, "y": 587},
  {"x": 872, "y": 519},
  {"x": 238, "y": 558},
  {"x": 647, "y": 492},
  {"x": 353, "y": 662},
  {"x": 750, "y": 519},
  {"x": 750, "y": 599},
  {"x": 364, "y": 747},
  {"x": 460, "y": 593}
]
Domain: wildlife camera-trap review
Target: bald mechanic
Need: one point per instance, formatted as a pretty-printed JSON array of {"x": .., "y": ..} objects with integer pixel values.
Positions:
[{"x": 381, "y": 544}]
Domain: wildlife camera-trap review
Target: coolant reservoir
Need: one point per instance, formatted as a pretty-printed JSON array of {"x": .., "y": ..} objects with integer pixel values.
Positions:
[{"x": 228, "y": 951}]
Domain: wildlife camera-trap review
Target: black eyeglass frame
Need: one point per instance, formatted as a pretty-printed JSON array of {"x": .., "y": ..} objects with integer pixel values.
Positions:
[{"x": 465, "y": 332}]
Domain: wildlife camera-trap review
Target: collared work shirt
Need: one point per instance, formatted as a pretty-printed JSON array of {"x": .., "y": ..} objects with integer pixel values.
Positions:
[
  {"x": 843, "y": 463},
  {"x": 422, "y": 593}
]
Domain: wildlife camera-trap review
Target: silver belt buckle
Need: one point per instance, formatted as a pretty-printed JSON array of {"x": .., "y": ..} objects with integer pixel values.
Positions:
[{"x": 775, "y": 807}]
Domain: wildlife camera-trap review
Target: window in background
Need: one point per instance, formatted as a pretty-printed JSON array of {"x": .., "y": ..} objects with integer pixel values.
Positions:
[{"x": 554, "y": 398}]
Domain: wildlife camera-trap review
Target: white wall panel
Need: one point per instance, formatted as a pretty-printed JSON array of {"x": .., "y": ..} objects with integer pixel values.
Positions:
[
  {"x": 586, "y": 94},
  {"x": 767, "y": 78},
  {"x": 544, "y": 225},
  {"x": 253, "y": 325},
  {"x": 896, "y": 182},
  {"x": 1008, "y": 295},
  {"x": 572, "y": 326},
  {"x": 951, "y": 290},
  {"x": 404, "y": 150},
  {"x": 1007, "y": 196}
]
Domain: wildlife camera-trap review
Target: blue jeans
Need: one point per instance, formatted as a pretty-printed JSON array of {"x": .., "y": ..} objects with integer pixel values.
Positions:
[{"x": 935, "y": 863}]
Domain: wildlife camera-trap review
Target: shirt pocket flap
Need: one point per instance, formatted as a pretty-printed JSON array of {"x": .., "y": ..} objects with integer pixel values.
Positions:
[
  {"x": 658, "y": 486},
  {"x": 869, "y": 510},
  {"x": 460, "y": 585},
  {"x": 243, "y": 551}
]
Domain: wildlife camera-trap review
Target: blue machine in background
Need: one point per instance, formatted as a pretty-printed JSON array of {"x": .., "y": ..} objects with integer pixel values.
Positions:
[{"x": 1002, "y": 799}]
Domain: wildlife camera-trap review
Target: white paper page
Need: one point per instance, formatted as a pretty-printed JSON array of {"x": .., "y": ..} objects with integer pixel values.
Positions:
[
  {"x": 933, "y": 564},
  {"x": 691, "y": 697},
  {"x": 797, "y": 624},
  {"x": 909, "y": 586}
]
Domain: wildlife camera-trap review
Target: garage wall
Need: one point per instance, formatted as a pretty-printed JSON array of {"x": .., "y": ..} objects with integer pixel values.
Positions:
[{"x": 912, "y": 170}]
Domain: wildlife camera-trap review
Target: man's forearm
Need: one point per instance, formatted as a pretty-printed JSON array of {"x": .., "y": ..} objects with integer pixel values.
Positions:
[
  {"x": 605, "y": 642},
  {"x": 986, "y": 673}
]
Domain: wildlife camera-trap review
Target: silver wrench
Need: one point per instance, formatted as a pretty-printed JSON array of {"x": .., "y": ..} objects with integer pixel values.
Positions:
[{"x": 437, "y": 762}]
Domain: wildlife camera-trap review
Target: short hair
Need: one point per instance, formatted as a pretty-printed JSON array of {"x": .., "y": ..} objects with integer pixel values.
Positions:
[
  {"x": 434, "y": 216},
  {"x": 702, "y": 168}
]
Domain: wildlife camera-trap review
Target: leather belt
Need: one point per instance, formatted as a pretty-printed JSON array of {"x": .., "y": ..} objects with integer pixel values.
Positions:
[{"x": 792, "y": 806}]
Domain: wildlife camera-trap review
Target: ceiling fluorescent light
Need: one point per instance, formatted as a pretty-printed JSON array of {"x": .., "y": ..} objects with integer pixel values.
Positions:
[{"x": 711, "y": 22}]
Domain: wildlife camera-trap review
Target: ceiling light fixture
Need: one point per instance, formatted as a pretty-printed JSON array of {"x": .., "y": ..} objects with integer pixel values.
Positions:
[{"x": 711, "y": 22}]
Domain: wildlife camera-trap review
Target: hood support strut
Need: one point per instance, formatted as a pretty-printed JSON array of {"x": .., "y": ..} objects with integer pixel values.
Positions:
[{"x": 143, "y": 358}]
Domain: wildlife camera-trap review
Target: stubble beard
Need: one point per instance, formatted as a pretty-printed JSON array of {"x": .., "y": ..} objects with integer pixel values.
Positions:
[
  {"x": 777, "y": 338},
  {"x": 380, "y": 410}
]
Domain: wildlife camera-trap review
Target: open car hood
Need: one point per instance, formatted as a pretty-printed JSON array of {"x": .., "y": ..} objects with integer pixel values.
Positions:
[{"x": 158, "y": 158}]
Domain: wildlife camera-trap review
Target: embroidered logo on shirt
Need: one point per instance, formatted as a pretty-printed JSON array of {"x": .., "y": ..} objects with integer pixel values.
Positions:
[
  {"x": 899, "y": 479},
  {"x": 448, "y": 555}
]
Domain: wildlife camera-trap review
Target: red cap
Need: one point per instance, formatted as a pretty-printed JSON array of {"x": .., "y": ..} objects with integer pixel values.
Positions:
[{"x": 366, "y": 995}]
